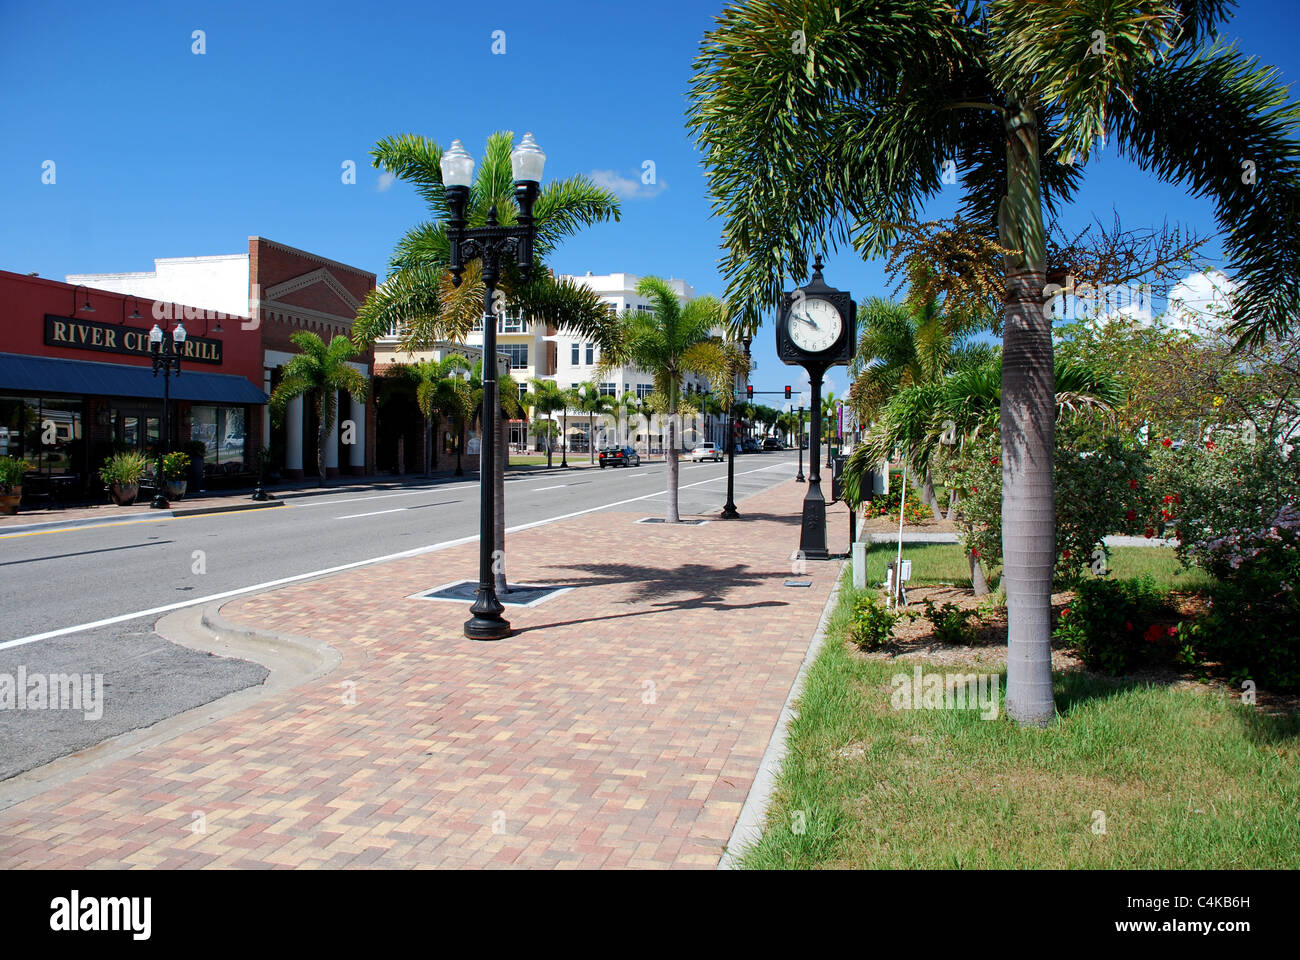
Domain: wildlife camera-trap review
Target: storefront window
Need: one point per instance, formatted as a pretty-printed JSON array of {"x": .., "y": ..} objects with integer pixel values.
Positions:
[
  {"x": 45, "y": 433},
  {"x": 221, "y": 431}
]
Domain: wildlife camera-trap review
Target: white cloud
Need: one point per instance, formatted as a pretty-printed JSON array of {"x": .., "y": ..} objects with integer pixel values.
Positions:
[
  {"x": 1201, "y": 301},
  {"x": 386, "y": 180},
  {"x": 628, "y": 187}
]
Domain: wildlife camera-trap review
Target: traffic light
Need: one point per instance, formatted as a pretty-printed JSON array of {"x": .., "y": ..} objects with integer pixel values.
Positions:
[
  {"x": 787, "y": 391},
  {"x": 749, "y": 392}
]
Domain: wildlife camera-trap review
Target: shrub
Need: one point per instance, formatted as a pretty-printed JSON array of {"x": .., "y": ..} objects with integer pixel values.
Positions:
[
  {"x": 1116, "y": 626},
  {"x": 12, "y": 471},
  {"x": 176, "y": 466},
  {"x": 1252, "y": 626},
  {"x": 124, "y": 468},
  {"x": 1097, "y": 485},
  {"x": 872, "y": 623},
  {"x": 952, "y": 624}
]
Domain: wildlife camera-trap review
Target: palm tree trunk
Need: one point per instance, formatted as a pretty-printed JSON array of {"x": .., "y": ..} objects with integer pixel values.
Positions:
[
  {"x": 550, "y": 447},
  {"x": 927, "y": 491},
  {"x": 1028, "y": 434},
  {"x": 671, "y": 453},
  {"x": 433, "y": 439},
  {"x": 977, "y": 580},
  {"x": 428, "y": 446}
]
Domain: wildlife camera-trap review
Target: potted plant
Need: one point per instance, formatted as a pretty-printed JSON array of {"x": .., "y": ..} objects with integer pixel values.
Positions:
[
  {"x": 122, "y": 473},
  {"x": 176, "y": 467},
  {"x": 11, "y": 483}
]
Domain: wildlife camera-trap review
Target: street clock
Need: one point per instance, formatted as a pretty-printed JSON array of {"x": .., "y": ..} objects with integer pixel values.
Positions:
[{"x": 816, "y": 329}]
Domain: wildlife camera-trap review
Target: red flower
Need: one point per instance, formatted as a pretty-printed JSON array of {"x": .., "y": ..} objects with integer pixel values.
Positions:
[
  {"x": 1168, "y": 498},
  {"x": 1065, "y": 554},
  {"x": 1209, "y": 444},
  {"x": 1150, "y": 533},
  {"x": 1173, "y": 631},
  {"x": 1065, "y": 613},
  {"x": 1127, "y": 625},
  {"x": 1154, "y": 633},
  {"x": 1132, "y": 484},
  {"x": 974, "y": 489},
  {"x": 994, "y": 461},
  {"x": 1166, "y": 442},
  {"x": 1131, "y": 515}
]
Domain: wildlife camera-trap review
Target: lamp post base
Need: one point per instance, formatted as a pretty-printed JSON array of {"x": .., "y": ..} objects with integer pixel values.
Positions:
[
  {"x": 159, "y": 503},
  {"x": 487, "y": 622},
  {"x": 812, "y": 533},
  {"x": 729, "y": 512}
]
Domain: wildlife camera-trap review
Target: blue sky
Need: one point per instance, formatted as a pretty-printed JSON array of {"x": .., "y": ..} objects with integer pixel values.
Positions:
[{"x": 160, "y": 152}]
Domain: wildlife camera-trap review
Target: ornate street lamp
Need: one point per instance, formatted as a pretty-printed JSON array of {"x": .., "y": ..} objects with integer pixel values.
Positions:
[
  {"x": 490, "y": 243},
  {"x": 165, "y": 348},
  {"x": 729, "y": 511}
]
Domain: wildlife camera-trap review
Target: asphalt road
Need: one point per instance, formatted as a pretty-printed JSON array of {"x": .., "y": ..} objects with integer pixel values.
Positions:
[{"x": 84, "y": 600}]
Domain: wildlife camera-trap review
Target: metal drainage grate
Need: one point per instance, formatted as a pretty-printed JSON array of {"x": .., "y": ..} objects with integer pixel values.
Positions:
[
  {"x": 684, "y": 523},
  {"x": 520, "y": 595},
  {"x": 798, "y": 583}
]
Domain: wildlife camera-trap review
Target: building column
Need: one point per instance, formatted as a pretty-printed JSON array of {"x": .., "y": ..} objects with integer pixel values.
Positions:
[
  {"x": 332, "y": 444},
  {"x": 293, "y": 439},
  {"x": 357, "y": 449}
]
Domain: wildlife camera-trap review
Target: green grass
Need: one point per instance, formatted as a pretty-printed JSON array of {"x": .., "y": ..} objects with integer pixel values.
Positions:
[
  {"x": 1185, "y": 779},
  {"x": 934, "y": 563}
]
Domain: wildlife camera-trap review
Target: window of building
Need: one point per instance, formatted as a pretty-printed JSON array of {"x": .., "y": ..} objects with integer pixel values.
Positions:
[
  {"x": 574, "y": 358},
  {"x": 609, "y": 390},
  {"x": 644, "y": 390},
  {"x": 45, "y": 433},
  {"x": 512, "y": 321},
  {"x": 591, "y": 354},
  {"x": 221, "y": 431},
  {"x": 642, "y": 308},
  {"x": 518, "y": 353}
]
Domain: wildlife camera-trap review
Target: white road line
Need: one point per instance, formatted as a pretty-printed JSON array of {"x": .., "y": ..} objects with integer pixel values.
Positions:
[
  {"x": 539, "y": 489},
  {"x": 372, "y": 513},
  {"x": 297, "y": 578},
  {"x": 383, "y": 496}
]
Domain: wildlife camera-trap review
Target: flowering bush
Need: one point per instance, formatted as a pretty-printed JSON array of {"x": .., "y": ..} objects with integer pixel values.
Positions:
[
  {"x": 1097, "y": 485},
  {"x": 1117, "y": 626},
  {"x": 1205, "y": 491},
  {"x": 1252, "y": 626}
]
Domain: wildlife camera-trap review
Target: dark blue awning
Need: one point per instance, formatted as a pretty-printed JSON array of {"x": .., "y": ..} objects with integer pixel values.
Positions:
[{"x": 22, "y": 374}]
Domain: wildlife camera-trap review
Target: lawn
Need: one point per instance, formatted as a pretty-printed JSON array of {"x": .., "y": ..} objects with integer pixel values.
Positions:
[
  {"x": 934, "y": 563},
  {"x": 1178, "y": 778}
]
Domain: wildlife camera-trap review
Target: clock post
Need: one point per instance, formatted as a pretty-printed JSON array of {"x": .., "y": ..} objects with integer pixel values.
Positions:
[{"x": 816, "y": 330}]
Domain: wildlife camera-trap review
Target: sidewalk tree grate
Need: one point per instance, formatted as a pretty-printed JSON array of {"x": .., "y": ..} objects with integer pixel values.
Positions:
[
  {"x": 520, "y": 595},
  {"x": 684, "y": 523}
]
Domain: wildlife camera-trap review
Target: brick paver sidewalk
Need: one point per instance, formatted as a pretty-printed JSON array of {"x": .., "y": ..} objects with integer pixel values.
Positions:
[{"x": 622, "y": 725}]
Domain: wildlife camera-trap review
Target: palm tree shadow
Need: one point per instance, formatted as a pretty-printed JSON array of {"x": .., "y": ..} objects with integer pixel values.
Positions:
[{"x": 690, "y": 586}]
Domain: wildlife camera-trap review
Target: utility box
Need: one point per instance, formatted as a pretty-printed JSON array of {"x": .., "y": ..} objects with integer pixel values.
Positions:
[{"x": 837, "y": 477}]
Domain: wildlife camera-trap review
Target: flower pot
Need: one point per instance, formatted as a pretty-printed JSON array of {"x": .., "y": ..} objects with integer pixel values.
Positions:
[
  {"x": 9, "y": 500},
  {"x": 174, "y": 489},
  {"x": 124, "y": 493}
]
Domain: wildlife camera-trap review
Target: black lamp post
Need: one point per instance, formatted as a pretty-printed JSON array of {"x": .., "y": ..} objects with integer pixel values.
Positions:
[
  {"x": 490, "y": 244},
  {"x": 165, "y": 347},
  {"x": 799, "y": 477},
  {"x": 729, "y": 511}
]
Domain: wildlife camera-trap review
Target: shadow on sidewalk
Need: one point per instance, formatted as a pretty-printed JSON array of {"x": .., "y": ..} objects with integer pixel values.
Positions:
[{"x": 701, "y": 588}]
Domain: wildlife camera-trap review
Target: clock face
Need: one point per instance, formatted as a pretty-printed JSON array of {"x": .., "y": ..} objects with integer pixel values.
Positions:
[{"x": 814, "y": 325}]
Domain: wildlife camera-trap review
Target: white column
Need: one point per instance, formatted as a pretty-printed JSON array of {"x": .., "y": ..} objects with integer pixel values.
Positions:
[
  {"x": 293, "y": 435},
  {"x": 357, "y": 452}
]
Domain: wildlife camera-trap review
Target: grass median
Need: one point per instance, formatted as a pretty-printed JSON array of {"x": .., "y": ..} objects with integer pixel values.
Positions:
[{"x": 1131, "y": 775}]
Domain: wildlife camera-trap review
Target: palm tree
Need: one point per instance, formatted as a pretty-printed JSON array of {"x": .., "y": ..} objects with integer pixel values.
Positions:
[
  {"x": 322, "y": 371},
  {"x": 438, "y": 393},
  {"x": 812, "y": 143},
  {"x": 545, "y": 399},
  {"x": 592, "y": 402},
  {"x": 626, "y": 406},
  {"x": 669, "y": 341},
  {"x": 711, "y": 406}
]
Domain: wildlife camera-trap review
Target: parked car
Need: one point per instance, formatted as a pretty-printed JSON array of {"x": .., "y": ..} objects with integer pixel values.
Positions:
[
  {"x": 619, "y": 457},
  {"x": 750, "y": 445},
  {"x": 772, "y": 443},
  {"x": 706, "y": 451}
]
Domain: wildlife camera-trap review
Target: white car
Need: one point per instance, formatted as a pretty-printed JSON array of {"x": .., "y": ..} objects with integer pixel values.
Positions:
[{"x": 706, "y": 451}]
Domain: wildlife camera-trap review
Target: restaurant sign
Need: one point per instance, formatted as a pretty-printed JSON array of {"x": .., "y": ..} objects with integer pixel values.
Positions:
[{"x": 117, "y": 338}]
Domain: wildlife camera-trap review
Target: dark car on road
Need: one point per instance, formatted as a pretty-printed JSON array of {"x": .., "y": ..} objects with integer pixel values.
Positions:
[
  {"x": 772, "y": 443},
  {"x": 619, "y": 457},
  {"x": 749, "y": 445}
]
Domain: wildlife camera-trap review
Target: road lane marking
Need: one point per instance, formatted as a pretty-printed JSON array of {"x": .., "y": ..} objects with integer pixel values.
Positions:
[
  {"x": 298, "y": 578},
  {"x": 540, "y": 489},
  {"x": 372, "y": 513}
]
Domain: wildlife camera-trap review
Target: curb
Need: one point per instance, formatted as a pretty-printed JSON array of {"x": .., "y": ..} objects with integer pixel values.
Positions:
[
  {"x": 289, "y": 660},
  {"x": 228, "y": 508},
  {"x": 753, "y": 815},
  {"x": 128, "y": 517}
]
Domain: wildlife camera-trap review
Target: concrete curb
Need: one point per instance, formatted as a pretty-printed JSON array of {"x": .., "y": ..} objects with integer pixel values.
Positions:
[
  {"x": 753, "y": 815},
  {"x": 128, "y": 517},
  {"x": 291, "y": 660},
  {"x": 228, "y": 508}
]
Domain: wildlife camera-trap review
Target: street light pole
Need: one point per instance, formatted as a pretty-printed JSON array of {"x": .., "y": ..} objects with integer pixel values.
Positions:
[
  {"x": 729, "y": 511},
  {"x": 165, "y": 350},
  {"x": 799, "y": 477},
  {"x": 490, "y": 244}
]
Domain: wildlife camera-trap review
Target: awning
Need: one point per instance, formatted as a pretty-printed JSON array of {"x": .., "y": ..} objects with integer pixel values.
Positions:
[{"x": 24, "y": 374}]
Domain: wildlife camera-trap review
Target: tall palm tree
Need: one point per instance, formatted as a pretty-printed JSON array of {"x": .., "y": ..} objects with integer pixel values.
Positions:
[
  {"x": 593, "y": 403},
  {"x": 545, "y": 399},
  {"x": 438, "y": 393},
  {"x": 625, "y": 408},
  {"x": 844, "y": 138},
  {"x": 321, "y": 371},
  {"x": 669, "y": 341}
]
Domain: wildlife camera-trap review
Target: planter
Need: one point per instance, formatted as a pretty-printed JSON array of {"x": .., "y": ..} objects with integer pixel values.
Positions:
[
  {"x": 9, "y": 500},
  {"x": 174, "y": 489},
  {"x": 124, "y": 494}
]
